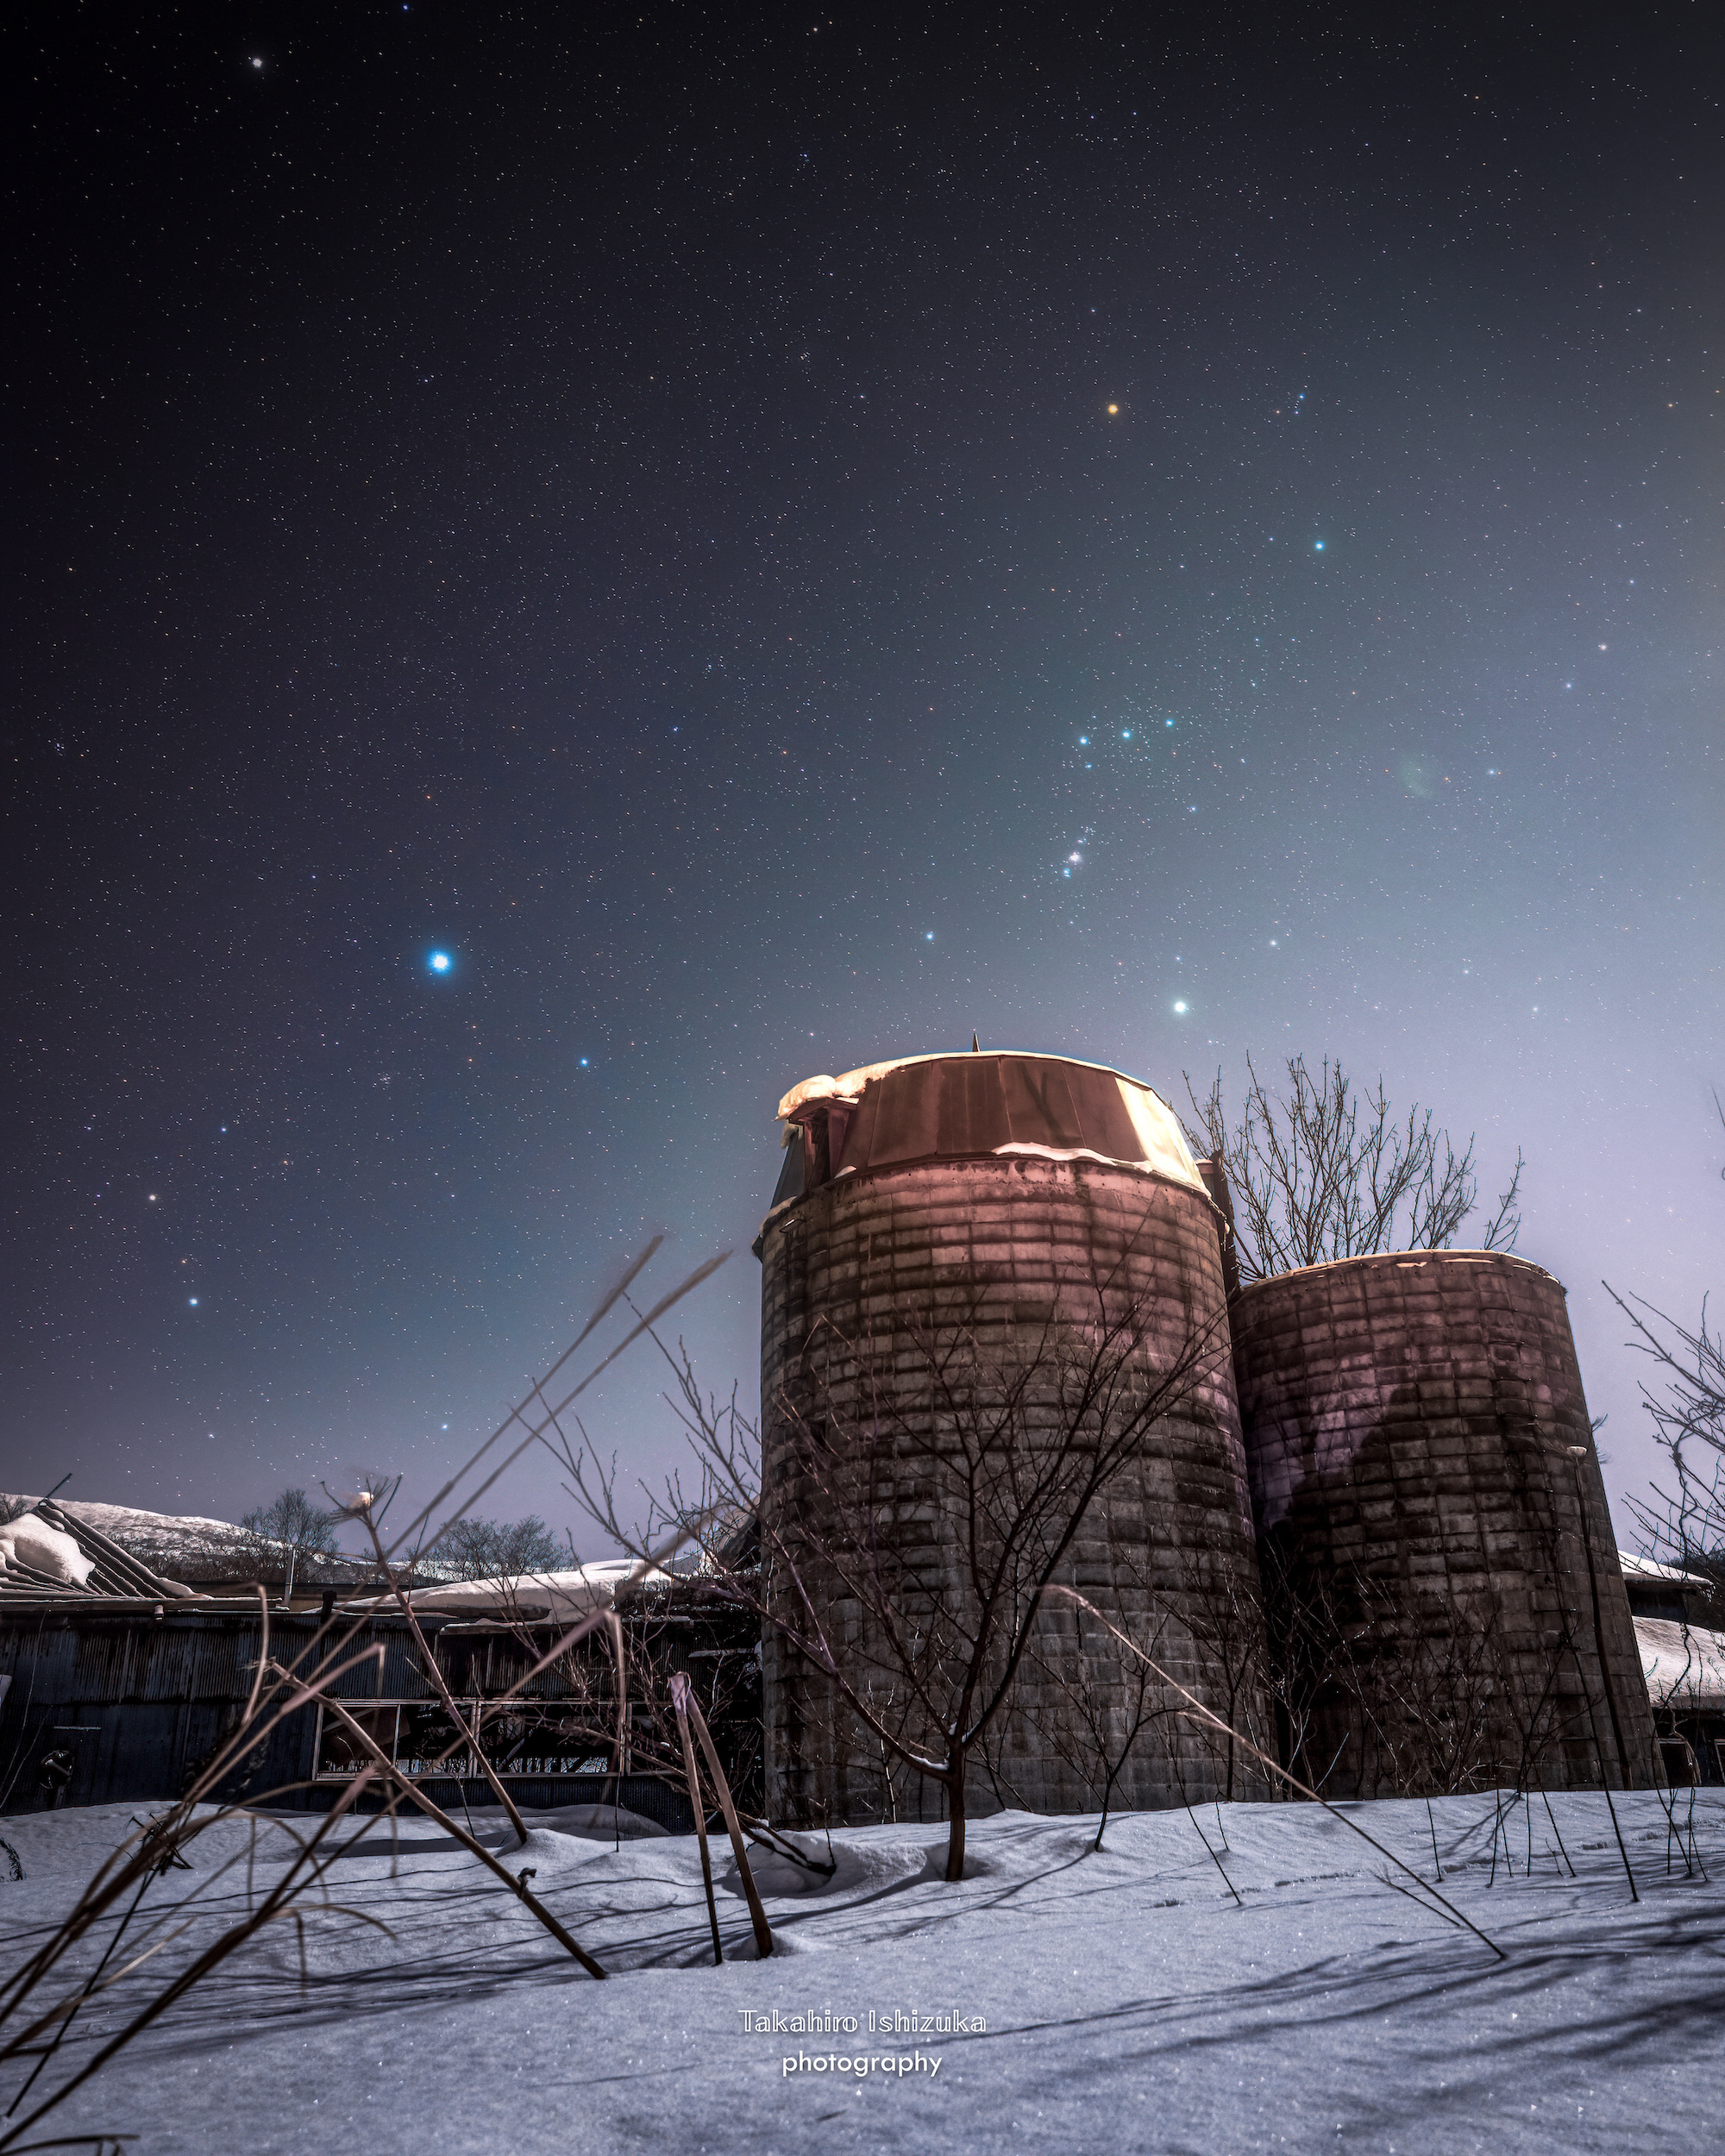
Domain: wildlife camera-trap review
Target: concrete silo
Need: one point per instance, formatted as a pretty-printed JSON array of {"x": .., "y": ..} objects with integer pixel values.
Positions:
[
  {"x": 993, "y": 1216},
  {"x": 1447, "y": 1604}
]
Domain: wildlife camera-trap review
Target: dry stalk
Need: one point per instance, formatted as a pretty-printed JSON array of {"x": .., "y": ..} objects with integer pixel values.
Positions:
[
  {"x": 212, "y": 1956},
  {"x": 151, "y": 1848},
  {"x": 517, "y": 1886},
  {"x": 361, "y": 1510},
  {"x": 1215, "y": 1859},
  {"x": 614, "y": 1627},
  {"x": 1201, "y": 1713},
  {"x": 686, "y": 1705},
  {"x": 276, "y": 1693},
  {"x": 536, "y": 1432},
  {"x": 679, "y": 1700}
]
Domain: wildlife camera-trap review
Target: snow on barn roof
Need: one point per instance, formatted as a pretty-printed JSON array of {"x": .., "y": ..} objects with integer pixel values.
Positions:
[
  {"x": 1641, "y": 1568},
  {"x": 196, "y": 1531},
  {"x": 46, "y": 1552},
  {"x": 559, "y": 1594},
  {"x": 1684, "y": 1665}
]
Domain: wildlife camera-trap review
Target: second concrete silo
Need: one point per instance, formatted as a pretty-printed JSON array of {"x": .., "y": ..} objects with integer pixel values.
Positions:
[
  {"x": 1001, "y": 1209},
  {"x": 1447, "y": 1610}
]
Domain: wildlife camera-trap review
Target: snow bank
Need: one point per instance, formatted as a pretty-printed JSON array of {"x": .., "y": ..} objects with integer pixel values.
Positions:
[
  {"x": 1074, "y": 2002},
  {"x": 600, "y": 1822}
]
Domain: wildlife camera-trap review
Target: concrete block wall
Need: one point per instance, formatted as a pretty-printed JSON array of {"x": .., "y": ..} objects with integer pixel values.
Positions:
[
  {"x": 1434, "y": 1529},
  {"x": 858, "y": 1277}
]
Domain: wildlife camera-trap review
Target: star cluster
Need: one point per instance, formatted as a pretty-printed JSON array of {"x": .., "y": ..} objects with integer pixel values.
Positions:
[{"x": 574, "y": 571}]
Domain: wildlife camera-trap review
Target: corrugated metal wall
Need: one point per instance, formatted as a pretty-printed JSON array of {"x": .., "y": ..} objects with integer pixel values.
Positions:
[
  {"x": 122, "y": 1706},
  {"x": 137, "y": 1703}
]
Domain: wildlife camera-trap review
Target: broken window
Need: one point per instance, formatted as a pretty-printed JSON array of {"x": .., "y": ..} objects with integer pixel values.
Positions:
[
  {"x": 339, "y": 1756},
  {"x": 413, "y": 1734},
  {"x": 539, "y": 1741},
  {"x": 1680, "y": 1763}
]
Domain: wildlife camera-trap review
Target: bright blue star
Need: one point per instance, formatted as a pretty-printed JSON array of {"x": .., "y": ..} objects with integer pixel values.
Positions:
[
  {"x": 1318, "y": 546},
  {"x": 192, "y": 1301},
  {"x": 440, "y": 961},
  {"x": 1180, "y": 1010}
]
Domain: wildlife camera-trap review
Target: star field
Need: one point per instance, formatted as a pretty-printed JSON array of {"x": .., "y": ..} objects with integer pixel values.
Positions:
[{"x": 569, "y": 574}]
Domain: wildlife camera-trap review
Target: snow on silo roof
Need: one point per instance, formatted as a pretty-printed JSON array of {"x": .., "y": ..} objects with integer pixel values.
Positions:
[{"x": 958, "y": 1105}]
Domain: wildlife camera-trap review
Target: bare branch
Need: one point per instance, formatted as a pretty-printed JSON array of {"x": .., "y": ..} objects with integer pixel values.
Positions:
[
  {"x": 1004, "y": 1446},
  {"x": 1325, "y": 1173}
]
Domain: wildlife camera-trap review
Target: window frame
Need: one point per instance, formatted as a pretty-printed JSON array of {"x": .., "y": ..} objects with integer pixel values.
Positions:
[{"x": 462, "y": 1767}]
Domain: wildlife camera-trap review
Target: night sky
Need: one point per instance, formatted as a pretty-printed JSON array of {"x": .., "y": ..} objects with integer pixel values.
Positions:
[{"x": 774, "y": 541}]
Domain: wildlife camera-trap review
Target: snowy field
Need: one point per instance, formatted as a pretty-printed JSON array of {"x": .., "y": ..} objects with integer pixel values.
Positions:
[{"x": 1121, "y": 2000}]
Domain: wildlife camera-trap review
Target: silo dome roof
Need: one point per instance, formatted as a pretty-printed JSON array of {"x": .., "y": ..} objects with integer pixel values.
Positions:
[{"x": 954, "y": 1106}]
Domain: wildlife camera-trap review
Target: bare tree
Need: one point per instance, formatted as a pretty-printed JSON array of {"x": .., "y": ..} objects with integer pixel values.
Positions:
[
  {"x": 1328, "y": 1172},
  {"x": 293, "y": 1521},
  {"x": 1103, "y": 1699},
  {"x": 291, "y": 1529},
  {"x": 1686, "y": 1406},
  {"x": 904, "y": 1543},
  {"x": 494, "y": 1548},
  {"x": 1685, "y": 1402}
]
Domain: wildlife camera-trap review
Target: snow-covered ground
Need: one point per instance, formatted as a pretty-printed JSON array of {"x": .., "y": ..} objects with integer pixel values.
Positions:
[{"x": 1121, "y": 2000}]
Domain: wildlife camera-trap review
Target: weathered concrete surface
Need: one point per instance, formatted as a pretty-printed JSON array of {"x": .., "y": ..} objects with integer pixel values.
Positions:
[
  {"x": 1428, "y": 1498},
  {"x": 1009, "y": 1265}
]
